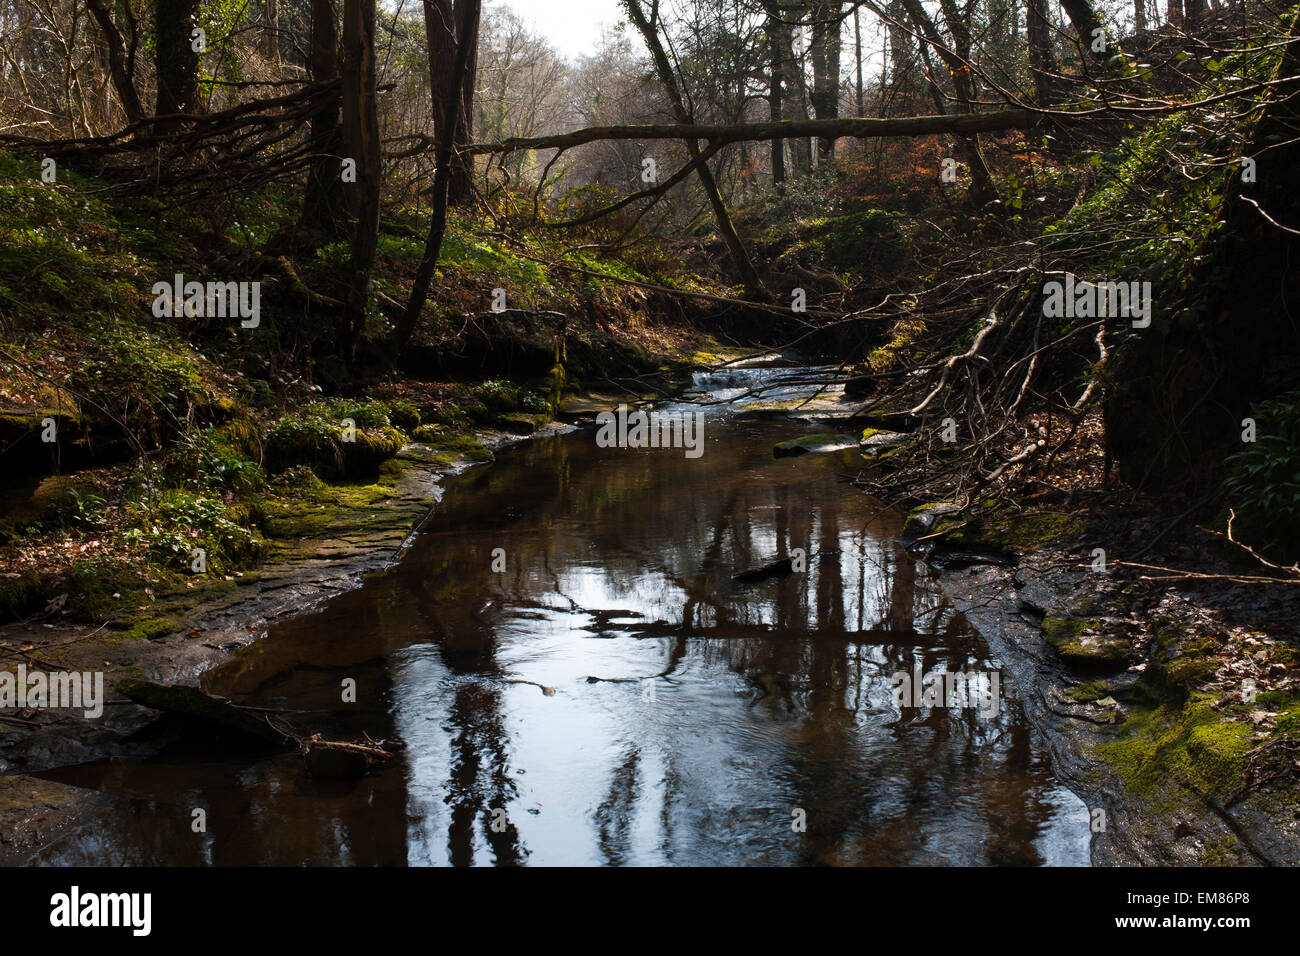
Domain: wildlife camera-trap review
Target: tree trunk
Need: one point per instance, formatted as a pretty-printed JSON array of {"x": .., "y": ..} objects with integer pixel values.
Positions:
[
  {"x": 1042, "y": 59},
  {"x": 444, "y": 28},
  {"x": 826, "y": 68},
  {"x": 796, "y": 105},
  {"x": 271, "y": 31},
  {"x": 1139, "y": 16},
  {"x": 176, "y": 59},
  {"x": 121, "y": 67},
  {"x": 441, "y": 185},
  {"x": 955, "y": 57},
  {"x": 776, "y": 36},
  {"x": 1085, "y": 22},
  {"x": 859, "y": 102},
  {"x": 360, "y": 143},
  {"x": 323, "y": 206}
]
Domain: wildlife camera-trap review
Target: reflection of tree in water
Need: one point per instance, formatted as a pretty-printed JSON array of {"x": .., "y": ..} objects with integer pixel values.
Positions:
[
  {"x": 479, "y": 782},
  {"x": 818, "y": 648}
]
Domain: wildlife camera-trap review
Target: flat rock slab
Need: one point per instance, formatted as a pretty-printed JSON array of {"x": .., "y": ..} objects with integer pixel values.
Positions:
[
  {"x": 192, "y": 703},
  {"x": 811, "y": 444}
]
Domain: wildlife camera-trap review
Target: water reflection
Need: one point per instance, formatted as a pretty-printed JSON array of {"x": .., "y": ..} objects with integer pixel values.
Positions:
[{"x": 615, "y": 697}]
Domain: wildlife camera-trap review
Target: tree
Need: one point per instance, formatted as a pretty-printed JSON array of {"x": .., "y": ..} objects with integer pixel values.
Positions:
[
  {"x": 121, "y": 58},
  {"x": 323, "y": 200},
  {"x": 825, "y": 49},
  {"x": 176, "y": 57},
  {"x": 1042, "y": 59},
  {"x": 447, "y": 29},
  {"x": 446, "y": 140},
  {"x": 361, "y": 145},
  {"x": 667, "y": 78}
]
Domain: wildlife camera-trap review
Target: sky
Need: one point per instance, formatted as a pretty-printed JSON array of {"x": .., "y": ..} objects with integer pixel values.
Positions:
[{"x": 572, "y": 26}]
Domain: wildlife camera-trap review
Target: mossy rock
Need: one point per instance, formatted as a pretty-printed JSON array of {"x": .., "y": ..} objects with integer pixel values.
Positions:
[
  {"x": 811, "y": 444},
  {"x": 1077, "y": 644},
  {"x": 243, "y": 437},
  {"x": 876, "y": 441},
  {"x": 1188, "y": 743},
  {"x": 404, "y": 415},
  {"x": 324, "y": 449},
  {"x": 1019, "y": 534},
  {"x": 22, "y": 593},
  {"x": 1179, "y": 665},
  {"x": 1088, "y": 693},
  {"x": 935, "y": 517},
  {"x": 151, "y": 628}
]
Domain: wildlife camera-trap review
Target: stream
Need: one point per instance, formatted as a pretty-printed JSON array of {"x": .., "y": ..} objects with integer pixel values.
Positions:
[{"x": 613, "y": 696}]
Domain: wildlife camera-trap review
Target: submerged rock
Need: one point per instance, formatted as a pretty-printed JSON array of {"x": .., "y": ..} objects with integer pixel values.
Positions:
[{"x": 812, "y": 443}]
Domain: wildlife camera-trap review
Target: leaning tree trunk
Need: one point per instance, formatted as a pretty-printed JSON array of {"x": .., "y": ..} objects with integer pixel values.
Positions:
[
  {"x": 726, "y": 228},
  {"x": 121, "y": 65}
]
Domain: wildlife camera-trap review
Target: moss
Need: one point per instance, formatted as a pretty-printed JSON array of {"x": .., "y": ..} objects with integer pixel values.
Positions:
[
  {"x": 331, "y": 449},
  {"x": 404, "y": 415},
  {"x": 1180, "y": 663},
  {"x": 1021, "y": 533},
  {"x": 1076, "y": 643},
  {"x": 1223, "y": 850},
  {"x": 151, "y": 628},
  {"x": 1191, "y": 744},
  {"x": 1086, "y": 693},
  {"x": 22, "y": 593},
  {"x": 888, "y": 357},
  {"x": 243, "y": 437}
]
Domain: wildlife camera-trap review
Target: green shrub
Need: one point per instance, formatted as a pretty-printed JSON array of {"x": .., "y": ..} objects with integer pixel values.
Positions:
[{"x": 1264, "y": 483}]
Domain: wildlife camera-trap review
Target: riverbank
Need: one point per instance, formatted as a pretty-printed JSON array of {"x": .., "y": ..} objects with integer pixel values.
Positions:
[
  {"x": 319, "y": 544},
  {"x": 1169, "y": 701}
]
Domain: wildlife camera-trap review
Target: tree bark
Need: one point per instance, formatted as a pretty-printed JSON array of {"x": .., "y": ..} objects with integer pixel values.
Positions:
[
  {"x": 176, "y": 59},
  {"x": 360, "y": 143},
  {"x": 826, "y": 68},
  {"x": 323, "y": 206},
  {"x": 444, "y": 27},
  {"x": 441, "y": 185},
  {"x": 121, "y": 66},
  {"x": 271, "y": 31},
  {"x": 1042, "y": 59},
  {"x": 776, "y": 35},
  {"x": 957, "y": 124}
]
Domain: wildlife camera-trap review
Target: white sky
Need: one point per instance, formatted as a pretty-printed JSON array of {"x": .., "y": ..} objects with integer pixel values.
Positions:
[{"x": 572, "y": 26}]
